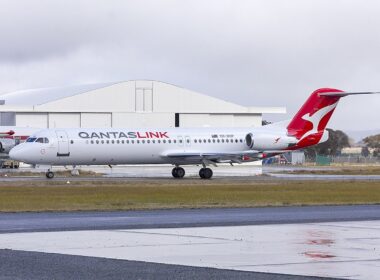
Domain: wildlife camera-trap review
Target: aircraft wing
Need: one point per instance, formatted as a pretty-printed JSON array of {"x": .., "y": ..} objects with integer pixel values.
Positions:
[{"x": 219, "y": 157}]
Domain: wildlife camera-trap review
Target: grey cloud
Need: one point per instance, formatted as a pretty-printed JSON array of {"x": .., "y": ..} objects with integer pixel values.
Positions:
[{"x": 270, "y": 53}]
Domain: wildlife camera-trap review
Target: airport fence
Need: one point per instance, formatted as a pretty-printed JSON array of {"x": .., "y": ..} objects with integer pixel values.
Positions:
[{"x": 352, "y": 159}]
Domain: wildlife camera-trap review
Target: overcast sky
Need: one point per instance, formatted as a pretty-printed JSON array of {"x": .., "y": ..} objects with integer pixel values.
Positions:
[{"x": 254, "y": 53}]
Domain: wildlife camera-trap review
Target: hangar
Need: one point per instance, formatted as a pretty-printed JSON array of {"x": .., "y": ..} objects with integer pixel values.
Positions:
[{"x": 139, "y": 103}]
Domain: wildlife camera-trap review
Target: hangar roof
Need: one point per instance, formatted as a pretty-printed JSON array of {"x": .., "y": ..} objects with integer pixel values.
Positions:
[
  {"x": 40, "y": 96},
  {"x": 129, "y": 96}
]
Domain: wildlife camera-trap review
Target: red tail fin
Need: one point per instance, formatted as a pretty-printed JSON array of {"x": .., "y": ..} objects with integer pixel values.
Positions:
[{"x": 312, "y": 118}]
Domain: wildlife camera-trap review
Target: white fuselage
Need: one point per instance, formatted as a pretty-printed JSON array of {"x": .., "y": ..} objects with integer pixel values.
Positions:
[{"x": 99, "y": 146}]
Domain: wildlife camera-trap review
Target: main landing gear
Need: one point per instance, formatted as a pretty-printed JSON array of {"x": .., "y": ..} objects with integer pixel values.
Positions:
[
  {"x": 204, "y": 173},
  {"x": 49, "y": 174},
  {"x": 178, "y": 172}
]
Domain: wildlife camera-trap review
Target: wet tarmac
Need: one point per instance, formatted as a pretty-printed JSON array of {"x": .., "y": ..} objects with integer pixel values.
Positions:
[
  {"x": 240, "y": 243},
  {"x": 345, "y": 250},
  {"x": 88, "y": 220}
]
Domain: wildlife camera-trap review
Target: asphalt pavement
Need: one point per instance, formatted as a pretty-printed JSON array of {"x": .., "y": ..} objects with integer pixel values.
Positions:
[{"x": 61, "y": 221}]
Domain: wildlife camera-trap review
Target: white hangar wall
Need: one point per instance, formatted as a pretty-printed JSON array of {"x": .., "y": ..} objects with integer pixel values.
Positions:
[{"x": 125, "y": 104}]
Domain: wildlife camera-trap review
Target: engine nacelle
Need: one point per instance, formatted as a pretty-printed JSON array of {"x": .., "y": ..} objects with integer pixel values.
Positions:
[
  {"x": 6, "y": 145},
  {"x": 267, "y": 142}
]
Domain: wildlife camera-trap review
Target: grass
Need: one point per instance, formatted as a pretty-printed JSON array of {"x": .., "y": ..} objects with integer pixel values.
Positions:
[
  {"x": 64, "y": 173},
  {"x": 359, "y": 170},
  {"x": 189, "y": 193}
]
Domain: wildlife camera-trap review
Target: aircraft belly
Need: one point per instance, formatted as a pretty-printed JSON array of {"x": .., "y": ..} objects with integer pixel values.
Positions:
[{"x": 118, "y": 154}]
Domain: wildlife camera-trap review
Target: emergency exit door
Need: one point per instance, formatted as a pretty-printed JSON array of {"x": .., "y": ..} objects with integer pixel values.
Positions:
[{"x": 63, "y": 143}]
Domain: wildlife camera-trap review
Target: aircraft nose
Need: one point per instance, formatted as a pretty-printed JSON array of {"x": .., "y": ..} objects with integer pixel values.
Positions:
[{"x": 15, "y": 154}]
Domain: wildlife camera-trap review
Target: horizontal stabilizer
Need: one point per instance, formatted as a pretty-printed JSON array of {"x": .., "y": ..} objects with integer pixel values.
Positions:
[{"x": 342, "y": 94}]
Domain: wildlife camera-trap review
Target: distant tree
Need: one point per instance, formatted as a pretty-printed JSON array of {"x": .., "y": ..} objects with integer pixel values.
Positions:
[
  {"x": 374, "y": 143},
  {"x": 365, "y": 152},
  {"x": 332, "y": 147},
  {"x": 265, "y": 122}
]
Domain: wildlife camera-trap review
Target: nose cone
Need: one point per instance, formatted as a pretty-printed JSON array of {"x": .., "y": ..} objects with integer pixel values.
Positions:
[{"x": 15, "y": 153}]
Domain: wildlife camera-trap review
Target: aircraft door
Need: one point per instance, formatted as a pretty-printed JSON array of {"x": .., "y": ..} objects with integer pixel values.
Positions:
[{"x": 63, "y": 143}]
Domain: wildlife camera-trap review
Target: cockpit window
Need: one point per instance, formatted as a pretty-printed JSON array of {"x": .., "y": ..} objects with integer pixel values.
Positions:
[
  {"x": 31, "y": 139},
  {"x": 42, "y": 140}
]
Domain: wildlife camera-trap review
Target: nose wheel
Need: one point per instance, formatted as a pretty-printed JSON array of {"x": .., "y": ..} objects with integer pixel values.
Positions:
[
  {"x": 178, "y": 172},
  {"x": 205, "y": 173},
  {"x": 50, "y": 174}
]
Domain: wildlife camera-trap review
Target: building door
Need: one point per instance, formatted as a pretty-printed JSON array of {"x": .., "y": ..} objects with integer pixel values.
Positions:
[{"x": 63, "y": 143}]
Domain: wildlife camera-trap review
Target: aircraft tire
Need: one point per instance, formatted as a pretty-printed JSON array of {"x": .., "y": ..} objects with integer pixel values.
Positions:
[
  {"x": 49, "y": 175},
  {"x": 178, "y": 172},
  {"x": 174, "y": 172},
  {"x": 205, "y": 173}
]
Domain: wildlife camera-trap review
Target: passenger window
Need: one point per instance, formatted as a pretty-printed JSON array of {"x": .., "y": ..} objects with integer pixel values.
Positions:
[
  {"x": 153, "y": 141},
  {"x": 169, "y": 141},
  {"x": 92, "y": 141},
  {"x": 71, "y": 141},
  {"x": 213, "y": 140},
  {"x": 143, "y": 141},
  {"x": 204, "y": 140},
  {"x": 174, "y": 141},
  {"x": 108, "y": 141},
  {"x": 209, "y": 140},
  {"x": 148, "y": 141},
  {"x": 102, "y": 141},
  {"x": 195, "y": 140},
  {"x": 117, "y": 141},
  {"x": 164, "y": 141}
]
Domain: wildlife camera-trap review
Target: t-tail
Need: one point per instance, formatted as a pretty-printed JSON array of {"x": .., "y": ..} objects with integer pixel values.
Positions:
[{"x": 309, "y": 124}]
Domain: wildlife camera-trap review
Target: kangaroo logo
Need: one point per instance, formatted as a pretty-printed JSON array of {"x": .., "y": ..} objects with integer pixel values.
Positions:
[{"x": 316, "y": 118}]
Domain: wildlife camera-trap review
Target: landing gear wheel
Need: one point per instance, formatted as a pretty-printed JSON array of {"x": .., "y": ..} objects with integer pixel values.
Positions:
[
  {"x": 178, "y": 172},
  {"x": 49, "y": 175},
  {"x": 205, "y": 173}
]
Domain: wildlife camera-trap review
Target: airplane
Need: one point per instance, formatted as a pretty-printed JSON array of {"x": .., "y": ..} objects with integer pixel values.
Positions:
[
  {"x": 11, "y": 136},
  {"x": 182, "y": 146}
]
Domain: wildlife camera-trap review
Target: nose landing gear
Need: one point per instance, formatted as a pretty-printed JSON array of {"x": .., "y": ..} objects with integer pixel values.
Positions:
[{"x": 49, "y": 174}]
